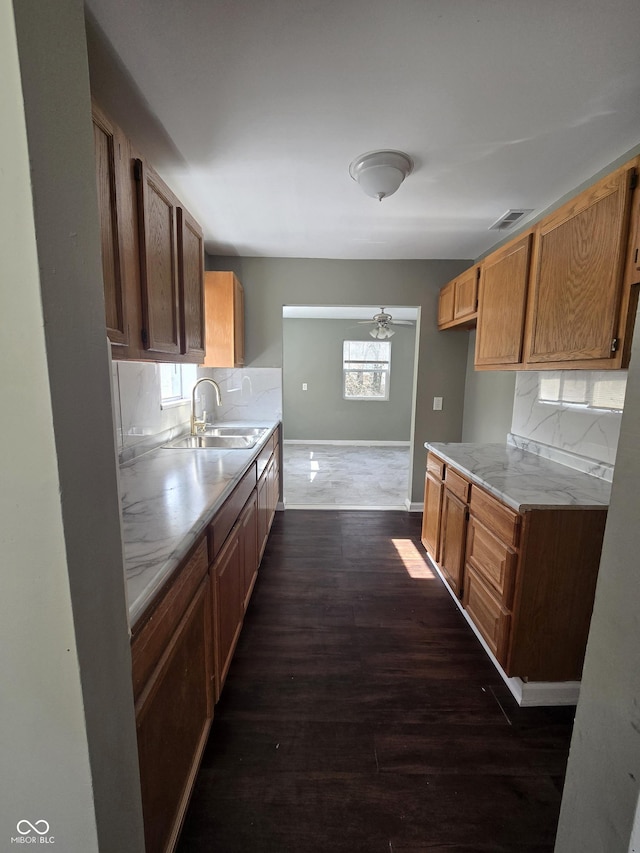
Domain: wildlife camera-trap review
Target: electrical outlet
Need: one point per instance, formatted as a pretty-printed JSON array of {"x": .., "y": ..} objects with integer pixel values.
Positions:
[
  {"x": 437, "y": 404},
  {"x": 304, "y": 386}
]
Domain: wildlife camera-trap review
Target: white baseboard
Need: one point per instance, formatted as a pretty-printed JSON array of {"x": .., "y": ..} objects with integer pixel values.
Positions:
[
  {"x": 353, "y": 443},
  {"x": 413, "y": 506},
  {"x": 528, "y": 694}
]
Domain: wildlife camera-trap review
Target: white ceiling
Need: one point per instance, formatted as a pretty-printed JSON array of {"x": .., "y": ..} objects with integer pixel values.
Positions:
[{"x": 501, "y": 104}]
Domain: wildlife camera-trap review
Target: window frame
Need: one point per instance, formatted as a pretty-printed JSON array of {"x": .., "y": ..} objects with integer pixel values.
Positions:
[
  {"x": 386, "y": 372},
  {"x": 186, "y": 375}
]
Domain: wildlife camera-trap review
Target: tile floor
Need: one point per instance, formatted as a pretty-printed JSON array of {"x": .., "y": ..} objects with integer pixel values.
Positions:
[{"x": 330, "y": 476}]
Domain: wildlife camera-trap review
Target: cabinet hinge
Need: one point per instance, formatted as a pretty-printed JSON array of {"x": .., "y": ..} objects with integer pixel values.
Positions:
[
  {"x": 615, "y": 344},
  {"x": 634, "y": 180},
  {"x": 137, "y": 170}
]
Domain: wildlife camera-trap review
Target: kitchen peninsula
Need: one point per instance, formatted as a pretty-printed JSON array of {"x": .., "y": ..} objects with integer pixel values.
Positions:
[{"x": 517, "y": 539}]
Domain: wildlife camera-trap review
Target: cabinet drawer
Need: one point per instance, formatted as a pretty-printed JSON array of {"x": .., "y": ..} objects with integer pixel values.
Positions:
[
  {"x": 457, "y": 484},
  {"x": 488, "y": 615},
  {"x": 504, "y": 522},
  {"x": 492, "y": 559},
  {"x": 435, "y": 465},
  {"x": 228, "y": 514}
]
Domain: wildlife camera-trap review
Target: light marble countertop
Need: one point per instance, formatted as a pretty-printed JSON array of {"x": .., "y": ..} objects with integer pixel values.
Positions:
[
  {"x": 524, "y": 480},
  {"x": 168, "y": 497}
]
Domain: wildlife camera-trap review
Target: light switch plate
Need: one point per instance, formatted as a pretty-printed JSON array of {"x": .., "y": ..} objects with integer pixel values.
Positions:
[{"x": 437, "y": 404}]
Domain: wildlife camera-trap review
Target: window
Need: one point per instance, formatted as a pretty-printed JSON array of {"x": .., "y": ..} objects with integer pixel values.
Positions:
[
  {"x": 176, "y": 382},
  {"x": 584, "y": 390},
  {"x": 366, "y": 369}
]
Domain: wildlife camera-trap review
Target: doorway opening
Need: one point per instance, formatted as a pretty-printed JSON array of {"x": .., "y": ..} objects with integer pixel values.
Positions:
[{"x": 348, "y": 405}]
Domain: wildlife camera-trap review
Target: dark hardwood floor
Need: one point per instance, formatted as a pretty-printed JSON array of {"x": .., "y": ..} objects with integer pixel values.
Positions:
[{"x": 360, "y": 712}]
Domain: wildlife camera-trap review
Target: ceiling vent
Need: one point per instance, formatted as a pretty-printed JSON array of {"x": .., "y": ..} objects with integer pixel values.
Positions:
[{"x": 508, "y": 219}]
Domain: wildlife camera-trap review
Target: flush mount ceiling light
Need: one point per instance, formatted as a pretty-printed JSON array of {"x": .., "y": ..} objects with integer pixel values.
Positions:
[{"x": 380, "y": 173}]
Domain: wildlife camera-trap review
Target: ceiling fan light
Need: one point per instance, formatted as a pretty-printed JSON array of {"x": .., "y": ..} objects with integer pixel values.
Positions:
[
  {"x": 380, "y": 173},
  {"x": 381, "y": 332}
]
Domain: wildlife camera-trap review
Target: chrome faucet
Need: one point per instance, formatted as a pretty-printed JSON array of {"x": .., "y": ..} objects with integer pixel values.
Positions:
[{"x": 195, "y": 423}]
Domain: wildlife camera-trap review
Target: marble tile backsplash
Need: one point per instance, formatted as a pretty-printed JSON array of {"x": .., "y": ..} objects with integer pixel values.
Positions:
[
  {"x": 247, "y": 393},
  {"x": 561, "y": 415},
  {"x": 141, "y": 422}
]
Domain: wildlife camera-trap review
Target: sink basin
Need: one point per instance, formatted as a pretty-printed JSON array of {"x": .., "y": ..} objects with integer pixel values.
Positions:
[
  {"x": 234, "y": 431},
  {"x": 226, "y": 438}
]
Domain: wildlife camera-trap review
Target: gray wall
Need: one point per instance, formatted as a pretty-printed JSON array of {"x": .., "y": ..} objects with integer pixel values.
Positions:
[
  {"x": 488, "y": 400},
  {"x": 313, "y": 354},
  {"x": 603, "y": 776},
  {"x": 270, "y": 283},
  {"x": 68, "y": 742}
]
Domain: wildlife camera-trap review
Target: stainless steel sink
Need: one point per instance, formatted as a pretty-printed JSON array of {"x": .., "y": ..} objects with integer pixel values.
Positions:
[
  {"x": 234, "y": 431},
  {"x": 227, "y": 438}
]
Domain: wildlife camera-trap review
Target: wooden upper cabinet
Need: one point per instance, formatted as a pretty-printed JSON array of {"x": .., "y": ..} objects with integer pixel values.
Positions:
[
  {"x": 111, "y": 159},
  {"x": 504, "y": 278},
  {"x": 191, "y": 281},
  {"x": 458, "y": 301},
  {"x": 466, "y": 294},
  {"x": 224, "y": 320},
  {"x": 577, "y": 286},
  {"x": 157, "y": 215},
  {"x": 446, "y": 304},
  {"x": 633, "y": 266}
]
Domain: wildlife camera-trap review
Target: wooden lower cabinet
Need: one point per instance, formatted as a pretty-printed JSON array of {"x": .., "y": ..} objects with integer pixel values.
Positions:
[
  {"x": 454, "y": 534},
  {"x": 433, "y": 490},
  {"x": 182, "y": 647},
  {"x": 228, "y": 576},
  {"x": 249, "y": 546},
  {"x": 173, "y": 717},
  {"x": 527, "y": 579}
]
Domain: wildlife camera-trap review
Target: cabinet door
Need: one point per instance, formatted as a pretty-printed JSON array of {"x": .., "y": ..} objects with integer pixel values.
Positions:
[
  {"x": 248, "y": 524},
  {"x": 452, "y": 539},
  {"x": 238, "y": 323},
  {"x": 504, "y": 279},
  {"x": 191, "y": 280},
  {"x": 228, "y": 572},
  {"x": 173, "y": 716},
  {"x": 158, "y": 263},
  {"x": 446, "y": 303},
  {"x": 574, "y": 310},
  {"x": 431, "y": 517},
  {"x": 263, "y": 512},
  {"x": 466, "y": 294},
  {"x": 109, "y": 153}
]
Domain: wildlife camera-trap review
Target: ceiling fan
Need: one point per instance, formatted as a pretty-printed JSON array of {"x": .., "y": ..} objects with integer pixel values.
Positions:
[{"x": 382, "y": 323}]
